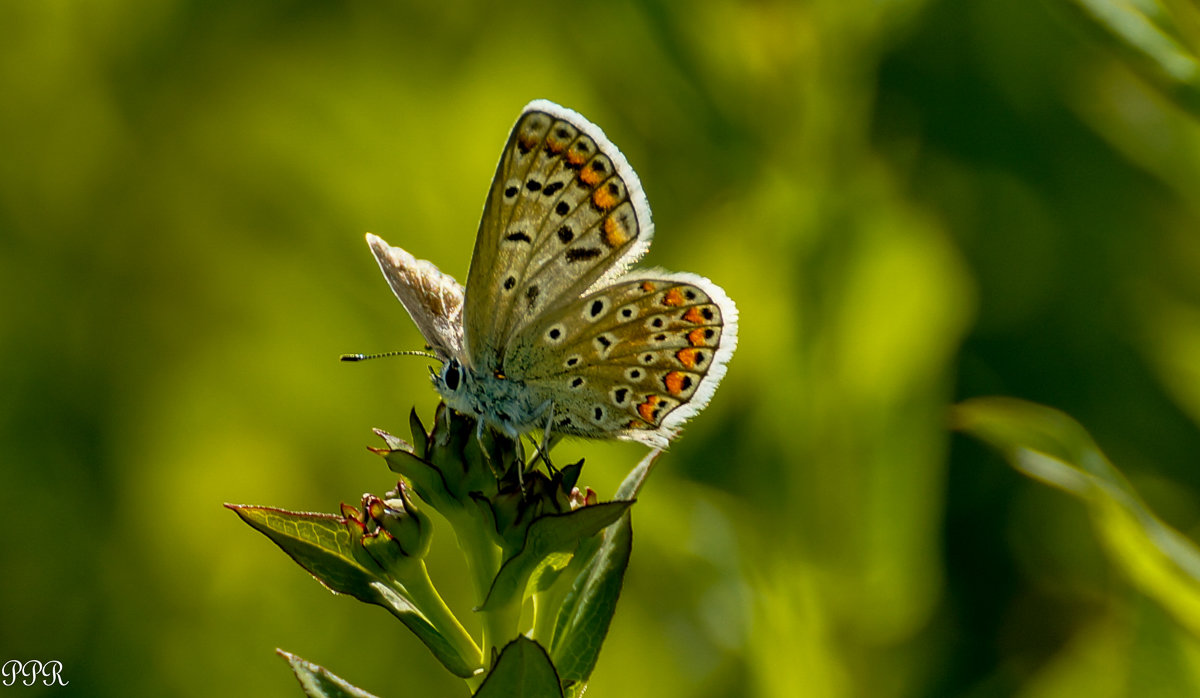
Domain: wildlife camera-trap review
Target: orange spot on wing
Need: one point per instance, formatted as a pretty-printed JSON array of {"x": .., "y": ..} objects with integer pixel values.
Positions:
[
  {"x": 646, "y": 409},
  {"x": 615, "y": 234},
  {"x": 647, "y": 287},
  {"x": 528, "y": 141},
  {"x": 575, "y": 158},
  {"x": 674, "y": 297},
  {"x": 590, "y": 176},
  {"x": 694, "y": 316},
  {"x": 696, "y": 338},
  {"x": 689, "y": 357},
  {"x": 605, "y": 199},
  {"x": 676, "y": 382}
]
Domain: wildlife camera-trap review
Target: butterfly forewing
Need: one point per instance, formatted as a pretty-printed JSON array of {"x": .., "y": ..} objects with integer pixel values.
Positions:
[
  {"x": 631, "y": 360},
  {"x": 565, "y": 211}
]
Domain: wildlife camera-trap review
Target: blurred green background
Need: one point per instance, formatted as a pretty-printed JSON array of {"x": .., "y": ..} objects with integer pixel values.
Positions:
[{"x": 911, "y": 202}]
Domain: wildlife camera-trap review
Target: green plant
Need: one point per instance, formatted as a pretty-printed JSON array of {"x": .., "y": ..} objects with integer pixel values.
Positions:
[
  {"x": 526, "y": 536},
  {"x": 1049, "y": 446}
]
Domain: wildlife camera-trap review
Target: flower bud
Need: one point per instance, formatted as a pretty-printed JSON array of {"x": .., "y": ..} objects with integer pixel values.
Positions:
[
  {"x": 409, "y": 527},
  {"x": 585, "y": 498}
]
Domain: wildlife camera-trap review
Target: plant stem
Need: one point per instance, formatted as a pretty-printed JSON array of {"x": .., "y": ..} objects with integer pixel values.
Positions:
[
  {"x": 543, "y": 619},
  {"x": 499, "y": 628},
  {"x": 424, "y": 595},
  {"x": 483, "y": 560},
  {"x": 483, "y": 556}
]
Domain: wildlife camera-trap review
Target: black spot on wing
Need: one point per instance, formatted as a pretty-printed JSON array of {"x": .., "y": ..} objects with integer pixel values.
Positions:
[{"x": 582, "y": 254}]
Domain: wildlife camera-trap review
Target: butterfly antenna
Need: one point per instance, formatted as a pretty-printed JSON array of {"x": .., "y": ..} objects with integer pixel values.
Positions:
[{"x": 364, "y": 357}]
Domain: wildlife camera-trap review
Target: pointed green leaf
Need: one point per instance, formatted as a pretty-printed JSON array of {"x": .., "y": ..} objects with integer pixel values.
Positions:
[
  {"x": 1049, "y": 446},
  {"x": 319, "y": 682},
  {"x": 427, "y": 481},
  {"x": 588, "y": 608},
  {"x": 324, "y": 545},
  {"x": 419, "y": 435},
  {"x": 552, "y": 533},
  {"x": 632, "y": 484},
  {"x": 394, "y": 443},
  {"x": 320, "y": 543},
  {"x": 522, "y": 671},
  {"x": 579, "y": 603}
]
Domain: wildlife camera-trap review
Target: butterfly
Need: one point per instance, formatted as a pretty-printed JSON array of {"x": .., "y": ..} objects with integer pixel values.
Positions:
[{"x": 554, "y": 331}]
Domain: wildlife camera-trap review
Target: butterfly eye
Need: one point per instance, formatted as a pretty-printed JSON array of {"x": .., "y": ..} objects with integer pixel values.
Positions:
[{"x": 451, "y": 375}]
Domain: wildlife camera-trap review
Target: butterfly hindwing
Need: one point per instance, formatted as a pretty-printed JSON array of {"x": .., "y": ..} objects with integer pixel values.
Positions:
[
  {"x": 631, "y": 360},
  {"x": 565, "y": 211},
  {"x": 433, "y": 299}
]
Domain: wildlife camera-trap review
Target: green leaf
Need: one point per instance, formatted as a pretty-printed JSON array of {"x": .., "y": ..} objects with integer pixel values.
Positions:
[
  {"x": 588, "y": 608},
  {"x": 419, "y": 435},
  {"x": 319, "y": 682},
  {"x": 1148, "y": 36},
  {"x": 1049, "y": 446},
  {"x": 548, "y": 571},
  {"x": 427, "y": 480},
  {"x": 583, "y": 596},
  {"x": 523, "y": 670},
  {"x": 394, "y": 443},
  {"x": 552, "y": 533},
  {"x": 632, "y": 484},
  {"x": 324, "y": 545},
  {"x": 320, "y": 543}
]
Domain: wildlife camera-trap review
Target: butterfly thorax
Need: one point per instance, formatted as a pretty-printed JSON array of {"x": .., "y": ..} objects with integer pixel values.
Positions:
[{"x": 503, "y": 403}]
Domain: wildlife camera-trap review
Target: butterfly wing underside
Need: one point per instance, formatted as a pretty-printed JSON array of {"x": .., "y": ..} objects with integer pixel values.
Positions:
[
  {"x": 433, "y": 299},
  {"x": 632, "y": 360},
  {"x": 565, "y": 212}
]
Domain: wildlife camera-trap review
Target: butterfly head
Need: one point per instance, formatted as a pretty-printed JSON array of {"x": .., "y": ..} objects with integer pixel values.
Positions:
[
  {"x": 456, "y": 384},
  {"x": 450, "y": 379}
]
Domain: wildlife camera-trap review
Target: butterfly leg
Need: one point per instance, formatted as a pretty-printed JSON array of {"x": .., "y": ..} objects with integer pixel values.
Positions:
[{"x": 548, "y": 439}]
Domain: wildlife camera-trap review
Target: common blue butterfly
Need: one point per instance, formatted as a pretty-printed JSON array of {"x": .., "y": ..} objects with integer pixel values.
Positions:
[{"x": 554, "y": 331}]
